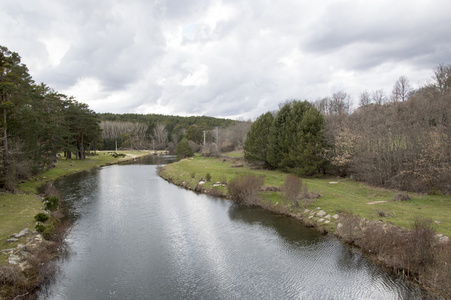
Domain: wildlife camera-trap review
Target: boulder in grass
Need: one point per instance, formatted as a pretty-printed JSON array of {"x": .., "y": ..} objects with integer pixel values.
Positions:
[{"x": 401, "y": 197}]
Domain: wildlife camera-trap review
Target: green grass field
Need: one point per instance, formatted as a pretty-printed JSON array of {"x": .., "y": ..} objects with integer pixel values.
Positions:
[
  {"x": 336, "y": 194},
  {"x": 17, "y": 211}
]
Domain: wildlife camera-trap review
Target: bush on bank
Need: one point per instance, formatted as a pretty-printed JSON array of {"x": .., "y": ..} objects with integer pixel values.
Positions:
[{"x": 390, "y": 235}]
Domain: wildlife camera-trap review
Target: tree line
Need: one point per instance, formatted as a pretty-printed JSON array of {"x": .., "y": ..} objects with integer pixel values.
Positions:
[
  {"x": 37, "y": 123},
  {"x": 402, "y": 140},
  {"x": 154, "y": 131},
  {"x": 139, "y": 131}
]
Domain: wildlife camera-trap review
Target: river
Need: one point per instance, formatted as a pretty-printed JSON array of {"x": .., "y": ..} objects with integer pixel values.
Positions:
[{"x": 136, "y": 236}]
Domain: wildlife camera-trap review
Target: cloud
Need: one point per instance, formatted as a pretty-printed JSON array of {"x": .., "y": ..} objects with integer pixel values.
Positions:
[{"x": 234, "y": 59}]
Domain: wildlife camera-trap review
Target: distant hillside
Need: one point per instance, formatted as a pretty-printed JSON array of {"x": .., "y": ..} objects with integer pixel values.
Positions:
[
  {"x": 171, "y": 122},
  {"x": 154, "y": 130}
]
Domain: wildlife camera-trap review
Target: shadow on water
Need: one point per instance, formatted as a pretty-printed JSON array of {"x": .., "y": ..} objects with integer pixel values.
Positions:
[
  {"x": 153, "y": 160},
  {"x": 189, "y": 242},
  {"x": 291, "y": 230}
]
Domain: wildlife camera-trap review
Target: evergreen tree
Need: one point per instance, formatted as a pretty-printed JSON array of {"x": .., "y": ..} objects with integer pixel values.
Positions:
[
  {"x": 305, "y": 150},
  {"x": 277, "y": 140},
  {"x": 183, "y": 149},
  {"x": 292, "y": 141},
  {"x": 256, "y": 146}
]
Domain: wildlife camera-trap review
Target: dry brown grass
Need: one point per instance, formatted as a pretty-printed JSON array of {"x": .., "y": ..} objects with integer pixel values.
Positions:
[{"x": 414, "y": 252}]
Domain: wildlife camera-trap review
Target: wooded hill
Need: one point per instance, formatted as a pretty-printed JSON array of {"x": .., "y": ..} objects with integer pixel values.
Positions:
[
  {"x": 38, "y": 123},
  {"x": 155, "y": 131},
  {"x": 401, "y": 141}
]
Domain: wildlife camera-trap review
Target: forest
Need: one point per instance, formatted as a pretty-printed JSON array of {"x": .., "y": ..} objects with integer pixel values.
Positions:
[
  {"x": 39, "y": 123},
  {"x": 154, "y": 131},
  {"x": 400, "y": 141}
]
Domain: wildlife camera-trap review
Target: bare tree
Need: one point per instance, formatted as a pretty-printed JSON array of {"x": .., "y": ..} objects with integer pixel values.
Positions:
[
  {"x": 160, "y": 135},
  {"x": 340, "y": 103},
  {"x": 323, "y": 105},
  {"x": 442, "y": 78},
  {"x": 378, "y": 97},
  {"x": 233, "y": 137},
  {"x": 401, "y": 90},
  {"x": 131, "y": 133},
  {"x": 364, "y": 98}
]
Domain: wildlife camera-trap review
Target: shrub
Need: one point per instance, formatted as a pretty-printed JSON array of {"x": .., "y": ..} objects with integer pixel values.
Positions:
[
  {"x": 183, "y": 149},
  {"x": 420, "y": 248},
  {"x": 117, "y": 155},
  {"x": 209, "y": 150},
  {"x": 207, "y": 177},
  {"x": 40, "y": 227},
  {"x": 51, "y": 202},
  {"x": 244, "y": 189},
  {"x": 41, "y": 217},
  {"x": 401, "y": 197},
  {"x": 292, "y": 189},
  {"x": 350, "y": 229}
]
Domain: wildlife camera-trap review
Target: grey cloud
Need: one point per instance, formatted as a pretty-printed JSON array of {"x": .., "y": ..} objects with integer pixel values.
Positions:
[{"x": 145, "y": 54}]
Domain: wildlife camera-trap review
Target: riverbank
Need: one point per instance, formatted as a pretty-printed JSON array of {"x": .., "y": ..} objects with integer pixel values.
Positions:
[
  {"x": 341, "y": 201},
  {"x": 17, "y": 213}
]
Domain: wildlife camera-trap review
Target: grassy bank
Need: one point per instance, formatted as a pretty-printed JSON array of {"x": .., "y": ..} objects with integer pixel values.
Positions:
[
  {"x": 337, "y": 195},
  {"x": 396, "y": 233},
  {"x": 17, "y": 210}
]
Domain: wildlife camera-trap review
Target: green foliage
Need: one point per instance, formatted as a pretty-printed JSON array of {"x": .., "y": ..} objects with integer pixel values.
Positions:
[
  {"x": 194, "y": 133},
  {"x": 117, "y": 155},
  {"x": 40, "y": 228},
  {"x": 291, "y": 141},
  {"x": 183, "y": 149},
  {"x": 175, "y": 125},
  {"x": 257, "y": 140},
  {"x": 41, "y": 217},
  {"x": 51, "y": 202},
  {"x": 37, "y": 123},
  {"x": 207, "y": 177}
]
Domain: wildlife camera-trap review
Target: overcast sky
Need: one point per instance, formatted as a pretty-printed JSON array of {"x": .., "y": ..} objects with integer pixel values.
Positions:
[{"x": 234, "y": 59}]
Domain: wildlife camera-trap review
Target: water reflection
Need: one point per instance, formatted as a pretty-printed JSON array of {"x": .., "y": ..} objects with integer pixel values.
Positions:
[
  {"x": 138, "y": 237},
  {"x": 289, "y": 229}
]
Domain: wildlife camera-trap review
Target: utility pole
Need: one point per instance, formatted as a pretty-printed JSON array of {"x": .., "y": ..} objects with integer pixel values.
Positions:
[
  {"x": 204, "y": 135},
  {"x": 217, "y": 138}
]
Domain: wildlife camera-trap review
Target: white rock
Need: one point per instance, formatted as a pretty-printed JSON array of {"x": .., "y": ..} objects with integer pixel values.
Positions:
[
  {"x": 321, "y": 213},
  {"x": 22, "y": 233},
  {"x": 13, "y": 259},
  {"x": 335, "y": 217},
  {"x": 443, "y": 240},
  {"x": 320, "y": 220}
]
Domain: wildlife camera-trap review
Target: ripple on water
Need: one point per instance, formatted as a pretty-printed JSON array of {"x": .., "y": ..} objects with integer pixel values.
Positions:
[{"x": 150, "y": 239}]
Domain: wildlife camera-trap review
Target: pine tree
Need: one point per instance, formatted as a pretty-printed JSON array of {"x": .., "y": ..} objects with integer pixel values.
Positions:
[{"x": 256, "y": 146}]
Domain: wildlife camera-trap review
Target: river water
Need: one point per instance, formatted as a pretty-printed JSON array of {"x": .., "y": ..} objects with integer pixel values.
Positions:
[{"x": 135, "y": 236}]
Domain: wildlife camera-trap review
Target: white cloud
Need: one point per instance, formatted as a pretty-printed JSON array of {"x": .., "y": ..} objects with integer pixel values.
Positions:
[{"x": 223, "y": 58}]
